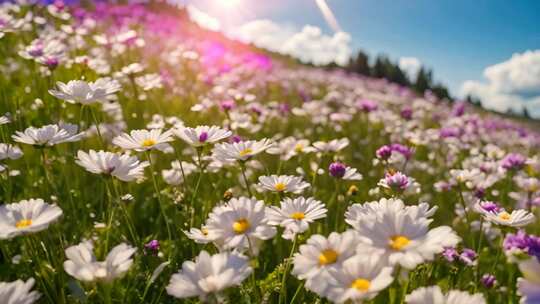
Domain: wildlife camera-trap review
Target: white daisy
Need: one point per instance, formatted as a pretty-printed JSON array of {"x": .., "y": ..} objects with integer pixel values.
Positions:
[
  {"x": 320, "y": 254},
  {"x": 240, "y": 224},
  {"x": 26, "y": 216},
  {"x": 174, "y": 175},
  {"x": 18, "y": 292},
  {"x": 529, "y": 285},
  {"x": 209, "y": 275},
  {"x": 283, "y": 183},
  {"x": 202, "y": 135},
  {"x": 296, "y": 215},
  {"x": 122, "y": 166},
  {"x": 334, "y": 145},
  {"x": 199, "y": 236},
  {"x": 5, "y": 119},
  {"x": 400, "y": 234},
  {"x": 48, "y": 135},
  {"x": 517, "y": 218},
  {"x": 360, "y": 278},
  {"x": 83, "y": 265},
  {"x": 434, "y": 295},
  {"x": 290, "y": 147},
  {"x": 80, "y": 91},
  {"x": 149, "y": 81},
  {"x": 240, "y": 151},
  {"x": 9, "y": 151},
  {"x": 143, "y": 140}
]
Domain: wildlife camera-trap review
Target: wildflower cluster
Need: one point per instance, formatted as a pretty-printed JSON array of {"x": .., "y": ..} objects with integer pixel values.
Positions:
[{"x": 146, "y": 160}]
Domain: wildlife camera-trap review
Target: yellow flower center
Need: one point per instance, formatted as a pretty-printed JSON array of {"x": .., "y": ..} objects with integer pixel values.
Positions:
[
  {"x": 299, "y": 148},
  {"x": 505, "y": 216},
  {"x": 361, "y": 284},
  {"x": 148, "y": 142},
  {"x": 280, "y": 187},
  {"x": 353, "y": 190},
  {"x": 298, "y": 215},
  {"x": 328, "y": 256},
  {"x": 241, "y": 225},
  {"x": 398, "y": 242},
  {"x": 245, "y": 152},
  {"x": 204, "y": 231},
  {"x": 23, "y": 223}
]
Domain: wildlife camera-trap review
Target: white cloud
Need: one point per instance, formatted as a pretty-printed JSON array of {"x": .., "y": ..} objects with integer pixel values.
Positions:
[
  {"x": 264, "y": 33},
  {"x": 308, "y": 44},
  {"x": 411, "y": 66},
  {"x": 520, "y": 74},
  {"x": 202, "y": 19},
  {"x": 514, "y": 83}
]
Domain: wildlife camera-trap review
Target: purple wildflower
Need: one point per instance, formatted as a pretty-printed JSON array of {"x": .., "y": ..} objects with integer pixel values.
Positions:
[
  {"x": 520, "y": 241},
  {"x": 284, "y": 108},
  {"x": 449, "y": 132},
  {"x": 367, "y": 105},
  {"x": 227, "y": 105},
  {"x": 403, "y": 150},
  {"x": 384, "y": 152},
  {"x": 236, "y": 138},
  {"x": 203, "y": 137},
  {"x": 513, "y": 161},
  {"x": 406, "y": 113},
  {"x": 490, "y": 206},
  {"x": 488, "y": 280},
  {"x": 468, "y": 256},
  {"x": 396, "y": 180},
  {"x": 459, "y": 109},
  {"x": 450, "y": 254},
  {"x": 152, "y": 247},
  {"x": 479, "y": 192},
  {"x": 337, "y": 169}
]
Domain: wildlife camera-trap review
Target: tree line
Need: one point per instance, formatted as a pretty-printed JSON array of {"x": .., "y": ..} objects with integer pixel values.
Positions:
[{"x": 383, "y": 67}]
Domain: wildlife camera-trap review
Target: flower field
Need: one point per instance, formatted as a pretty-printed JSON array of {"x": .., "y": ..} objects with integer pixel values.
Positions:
[{"x": 146, "y": 160}]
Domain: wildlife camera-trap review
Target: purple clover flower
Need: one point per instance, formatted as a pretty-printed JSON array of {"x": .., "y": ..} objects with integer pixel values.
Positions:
[
  {"x": 513, "y": 161},
  {"x": 152, "y": 247},
  {"x": 403, "y": 150},
  {"x": 367, "y": 105},
  {"x": 203, "y": 137},
  {"x": 488, "y": 280},
  {"x": 227, "y": 105},
  {"x": 479, "y": 192},
  {"x": 337, "y": 169},
  {"x": 384, "y": 152},
  {"x": 406, "y": 113},
  {"x": 52, "y": 62},
  {"x": 490, "y": 206},
  {"x": 236, "y": 139},
  {"x": 396, "y": 180},
  {"x": 468, "y": 256},
  {"x": 449, "y": 132},
  {"x": 458, "y": 109},
  {"x": 450, "y": 254},
  {"x": 284, "y": 108}
]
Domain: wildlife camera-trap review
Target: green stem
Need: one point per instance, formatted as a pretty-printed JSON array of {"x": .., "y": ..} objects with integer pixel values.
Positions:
[
  {"x": 283, "y": 293},
  {"x": 96, "y": 123},
  {"x": 156, "y": 189},
  {"x": 243, "y": 167},
  {"x": 127, "y": 217},
  {"x": 297, "y": 292},
  {"x": 464, "y": 205}
]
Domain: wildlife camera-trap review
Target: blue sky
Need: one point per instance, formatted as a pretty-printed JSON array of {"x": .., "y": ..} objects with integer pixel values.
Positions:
[{"x": 458, "y": 39}]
